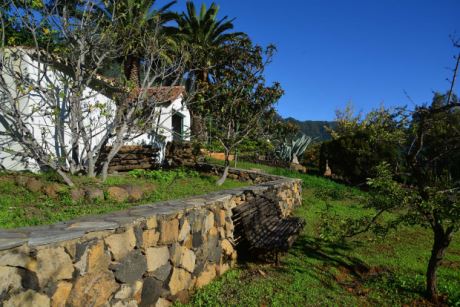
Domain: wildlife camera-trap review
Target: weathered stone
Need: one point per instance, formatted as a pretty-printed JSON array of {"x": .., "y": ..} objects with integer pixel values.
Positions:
[
  {"x": 197, "y": 239},
  {"x": 169, "y": 231},
  {"x": 131, "y": 268},
  {"x": 180, "y": 280},
  {"x": 118, "y": 194},
  {"x": 28, "y": 298},
  {"x": 61, "y": 294},
  {"x": 131, "y": 303},
  {"x": 52, "y": 190},
  {"x": 128, "y": 291},
  {"x": 10, "y": 280},
  {"x": 21, "y": 180},
  {"x": 50, "y": 236},
  {"x": 121, "y": 244},
  {"x": 156, "y": 257},
  {"x": 34, "y": 185},
  {"x": 163, "y": 303},
  {"x": 183, "y": 257},
  {"x": 222, "y": 268},
  {"x": 92, "y": 257},
  {"x": 227, "y": 247},
  {"x": 94, "y": 194},
  {"x": 93, "y": 289},
  {"x": 221, "y": 217},
  {"x": 151, "y": 291},
  {"x": 206, "y": 276},
  {"x": 77, "y": 195},
  {"x": 162, "y": 273},
  {"x": 150, "y": 238},
  {"x": 184, "y": 231},
  {"x": 209, "y": 222},
  {"x": 53, "y": 264},
  {"x": 152, "y": 222},
  {"x": 18, "y": 258},
  {"x": 135, "y": 192}
]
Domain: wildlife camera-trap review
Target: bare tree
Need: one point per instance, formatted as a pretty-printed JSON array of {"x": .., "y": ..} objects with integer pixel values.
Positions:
[{"x": 56, "y": 109}]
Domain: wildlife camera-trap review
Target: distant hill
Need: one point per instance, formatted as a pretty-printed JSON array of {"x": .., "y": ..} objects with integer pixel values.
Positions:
[{"x": 314, "y": 128}]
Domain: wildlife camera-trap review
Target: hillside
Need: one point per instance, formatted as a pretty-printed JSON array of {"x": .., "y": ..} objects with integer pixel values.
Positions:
[{"x": 313, "y": 128}]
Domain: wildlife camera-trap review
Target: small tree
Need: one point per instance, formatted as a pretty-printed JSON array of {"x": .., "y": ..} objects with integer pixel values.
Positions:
[
  {"x": 241, "y": 100},
  {"x": 62, "y": 89}
]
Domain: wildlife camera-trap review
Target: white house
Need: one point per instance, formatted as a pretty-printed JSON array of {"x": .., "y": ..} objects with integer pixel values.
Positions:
[{"x": 39, "y": 106}]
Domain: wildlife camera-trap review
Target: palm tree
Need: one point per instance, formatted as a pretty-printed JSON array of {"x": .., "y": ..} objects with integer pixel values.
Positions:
[
  {"x": 203, "y": 35},
  {"x": 134, "y": 19}
]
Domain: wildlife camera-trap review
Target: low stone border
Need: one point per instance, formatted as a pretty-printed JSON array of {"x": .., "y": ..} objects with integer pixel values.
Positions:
[{"x": 148, "y": 255}]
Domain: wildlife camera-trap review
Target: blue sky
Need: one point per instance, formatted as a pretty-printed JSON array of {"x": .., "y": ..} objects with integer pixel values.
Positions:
[{"x": 368, "y": 52}]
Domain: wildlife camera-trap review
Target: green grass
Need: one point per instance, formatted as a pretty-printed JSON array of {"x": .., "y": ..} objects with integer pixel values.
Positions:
[
  {"x": 361, "y": 271},
  {"x": 20, "y": 207}
]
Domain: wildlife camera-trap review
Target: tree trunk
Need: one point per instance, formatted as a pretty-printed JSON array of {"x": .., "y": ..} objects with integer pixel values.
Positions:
[
  {"x": 197, "y": 128},
  {"x": 66, "y": 178},
  {"x": 440, "y": 243},
  {"x": 227, "y": 166}
]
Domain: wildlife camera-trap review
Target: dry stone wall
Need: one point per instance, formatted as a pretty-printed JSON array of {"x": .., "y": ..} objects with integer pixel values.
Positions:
[{"x": 148, "y": 255}]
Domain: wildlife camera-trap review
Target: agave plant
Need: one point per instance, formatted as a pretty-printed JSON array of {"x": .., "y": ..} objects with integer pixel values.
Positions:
[{"x": 290, "y": 151}]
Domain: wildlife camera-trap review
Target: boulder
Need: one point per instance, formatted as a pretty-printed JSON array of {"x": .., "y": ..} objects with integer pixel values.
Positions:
[
  {"x": 34, "y": 185},
  {"x": 156, "y": 257},
  {"x": 169, "y": 231},
  {"x": 121, "y": 244},
  {"x": 61, "y": 294},
  {"x": 93, "y": 289},
  {"x": 52, "y": 190},
  {"x": 135, "y": 192},
  {"x": 10, "y": 280},
  {"x": 117, "y": 194},
  {"x": 94, "y": 194},
  {"x": 28, "y": 298},
  {"x": 180, "y": 280},
  {"x": 206, "y": 276},
  {"x": 131, "y": 268},
  {"x": 53, "y": 264},
  {"x": 77, "y": 195}
]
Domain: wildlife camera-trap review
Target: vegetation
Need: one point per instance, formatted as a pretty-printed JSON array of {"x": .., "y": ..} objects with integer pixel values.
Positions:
[
  {"x": 293, "y": 150},
  {"x": 319, "y": 130},
  {"x": 358, "y": 271},
  {"x": 21, "y": 207}
]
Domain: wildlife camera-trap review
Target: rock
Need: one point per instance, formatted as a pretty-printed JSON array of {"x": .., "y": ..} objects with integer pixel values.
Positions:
[
  {"x": 94, "y": 194},
  {"x": 162, "y": 273},
  {"x": 61, "y": 294},
  {"x": 92, "y": 257},
  {"x": 28, "y": 298},
  {"x": 151, "y": 291},
  {"x": 53, "y": 264},
  {"x": 328, "y": 171},
  {"x": 227, "y": 247},
  {"x": 163, "y": 303},
  {"x": 152, "y": 222},
  {"x": 156, "y": 257},
  {"x": 184, "y": 231},
  {"x": 221, "y": 218},
  {"x": 10, "y": 280},
  {"x": 183, "y": 257},
  {"x": 34, "y": 185},
  {"x": 221, "y": 269},
  {"x": 117, "y": 194},
  {"x": 121, "y": 244},
  {"x": 77, "y": 195},
  {"x": 131, "y": 268},
  {"x": 169, "y": 231},
  {"x": 93, "y": 289},
  {"x": 209, "y": 222},
  {"x": 136, "y": 193},
  {"x": 298, "y": 167},
  {"x": 132, "y": 303},
  {"x": 52, "y": 190},
  {"x": 206, "y": 276},
  {"x": 18, "y": 258},
  {"x": 128, "y": 291},
  {"x": 150, "y": 238},
  {"x": 180, "y": 280},
  {"x": 21, "y": 180}
]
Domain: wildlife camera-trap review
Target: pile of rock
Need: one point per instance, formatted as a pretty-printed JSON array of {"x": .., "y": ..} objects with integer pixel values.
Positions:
[
  {"x": 182, "y": 154},
  {"x": 134, "y": 157}
]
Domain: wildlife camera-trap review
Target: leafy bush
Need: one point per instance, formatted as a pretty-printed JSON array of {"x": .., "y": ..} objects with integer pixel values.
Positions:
[{"x": 164, "y": 175}]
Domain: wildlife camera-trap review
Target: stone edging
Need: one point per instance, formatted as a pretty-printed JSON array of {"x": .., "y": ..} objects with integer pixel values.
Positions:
[{"x": 146, "y": 255}]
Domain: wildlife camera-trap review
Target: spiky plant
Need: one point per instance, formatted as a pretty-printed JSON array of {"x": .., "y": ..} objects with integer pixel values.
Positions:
[{"x": 295, "y": 148}]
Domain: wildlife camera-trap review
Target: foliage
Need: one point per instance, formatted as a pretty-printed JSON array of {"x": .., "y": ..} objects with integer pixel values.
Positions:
[
  {"x": 288, "y": 151},
  {"x": 164, "y": 175},
  {"x": 319, "y": 270},
  {"x": 360, "y": 144}
]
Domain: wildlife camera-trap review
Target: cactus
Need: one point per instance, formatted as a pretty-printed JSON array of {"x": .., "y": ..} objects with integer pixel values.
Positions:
[{"x": 289, "y": 151}]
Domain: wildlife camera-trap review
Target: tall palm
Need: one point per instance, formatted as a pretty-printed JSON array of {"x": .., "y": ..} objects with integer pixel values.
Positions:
[
  {"x": 134, "y": 18},
  {"x": 204, "y": 35}
]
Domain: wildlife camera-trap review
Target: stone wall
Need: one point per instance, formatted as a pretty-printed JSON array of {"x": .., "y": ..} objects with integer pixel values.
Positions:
[{"x": 148, "y": 255}]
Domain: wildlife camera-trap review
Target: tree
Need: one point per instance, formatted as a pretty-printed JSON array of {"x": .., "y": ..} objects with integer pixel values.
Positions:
[
  {"x": 204, "y": 35},
  {"x": 241, "y": 101},
  {"x": 133, "y": 20},
  {"x": 426, "y": 191},
  {"x": 62, "y": 91}
]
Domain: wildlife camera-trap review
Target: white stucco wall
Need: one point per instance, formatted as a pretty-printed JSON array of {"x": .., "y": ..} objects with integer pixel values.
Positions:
[{"x": 42, "y": 126}]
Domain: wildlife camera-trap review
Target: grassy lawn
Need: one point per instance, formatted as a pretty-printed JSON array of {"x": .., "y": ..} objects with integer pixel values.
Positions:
[
  {"x": 21, "y": 207},
  {"x": 361, "y": 271}
]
